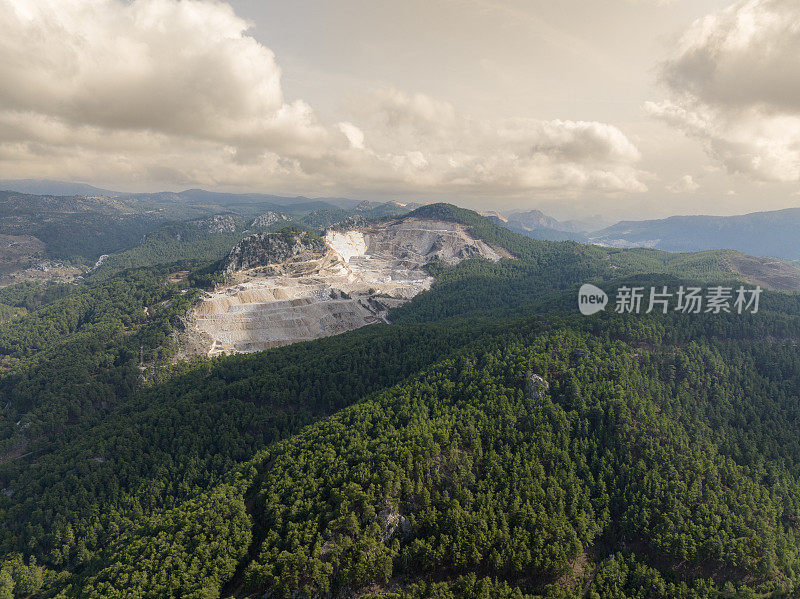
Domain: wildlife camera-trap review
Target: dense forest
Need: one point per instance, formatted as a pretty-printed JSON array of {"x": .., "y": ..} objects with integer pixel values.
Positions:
[{"x": 490, "y": 442}]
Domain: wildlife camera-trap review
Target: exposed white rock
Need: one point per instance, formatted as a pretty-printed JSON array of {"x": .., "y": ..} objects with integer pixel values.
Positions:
[
  {"x": 346, "y": 245},
  {"x": 351, "y": 282},
  {"x": 536, "y": 387}
]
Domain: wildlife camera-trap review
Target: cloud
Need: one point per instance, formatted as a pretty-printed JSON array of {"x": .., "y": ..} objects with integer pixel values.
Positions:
[
  {"x": 418, "y": 140},
  {"x": 652, "y": 2},
  {"x": 685, "y": 184},
  {"x": 172, "y": 92},
  {"x": 735, "y": 83},
  {"x": 180, "y": 68},
  {"x": 353, "y": 134}
]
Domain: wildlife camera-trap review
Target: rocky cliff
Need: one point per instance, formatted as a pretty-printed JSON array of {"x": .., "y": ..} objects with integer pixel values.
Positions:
[{"x": 262, "y": 249}]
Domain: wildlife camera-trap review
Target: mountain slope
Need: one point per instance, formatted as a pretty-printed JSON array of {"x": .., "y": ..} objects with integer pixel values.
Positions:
[
  {"x": 713, "y": 264},
  {"x": 536, "y": 224},
  {"x": 489, "y": 443},
  {"x": 44, "y": 237},
  {"x": 758, "y": 234},
  {"x": 53, "y": 188},
  {"x": 468, "y": 471},
  {"x": 75, "y": 228},
  {"x": 294, "y": 286}
]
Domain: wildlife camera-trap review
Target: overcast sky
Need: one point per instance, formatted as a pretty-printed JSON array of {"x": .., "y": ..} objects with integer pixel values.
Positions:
[{"x": 622, "y": 108}]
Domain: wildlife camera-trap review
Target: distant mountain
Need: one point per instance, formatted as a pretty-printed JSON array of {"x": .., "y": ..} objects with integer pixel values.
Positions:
[
  {"x": 52, "y": 188},
  {"x": 225, "y": 198},
  {"x": 534, "y": 219},
  {"x": 588, "y": 223},
  {"x": 495, "y": 216},
  {"x": 775, "y": 233},
  {"x": 538, "y": 225},
  {"x": 49, "y": 187},
  {"x": 76, "y": 228}
]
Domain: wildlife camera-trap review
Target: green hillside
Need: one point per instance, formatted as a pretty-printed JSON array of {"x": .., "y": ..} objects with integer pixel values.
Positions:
[{"x": 491, "y": 442}]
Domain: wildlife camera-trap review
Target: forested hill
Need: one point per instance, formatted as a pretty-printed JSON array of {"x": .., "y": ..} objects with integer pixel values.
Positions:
[
  {"x": 605, "y": 261},
  {"x": 490, "y": 443},
  {"x": 629, "y": 472}
]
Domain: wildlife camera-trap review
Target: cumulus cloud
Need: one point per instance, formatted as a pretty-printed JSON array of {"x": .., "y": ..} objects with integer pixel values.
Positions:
[
  {"x": 416, "y": 139},
  {"x": 655, "y": 2},
  {"x": 180, "y": 68},
  {"x": 685, "y": 184},
  {"x": 735, "y": 79},
  {"x": 353, "y": 134},
  {"x": 177, "y": 92}
]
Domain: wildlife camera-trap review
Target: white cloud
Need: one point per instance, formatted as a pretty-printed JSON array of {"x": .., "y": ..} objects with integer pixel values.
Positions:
[
  {"x": 177, "y": 92},
  {"x": 685, "y": 184},
  {"x": 417, "y": 140},
  {"x": 353, "y": 134},
  {"x": 653, "y": 2},
  {"x": 180, "y": 68},
  {"x": 735, "y": 78}
]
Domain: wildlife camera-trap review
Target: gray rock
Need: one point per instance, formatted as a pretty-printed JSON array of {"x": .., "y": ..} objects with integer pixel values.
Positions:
[
  {"x": 270, "y": 248},
  {"x": 269, "y": 218},
  {"x": 536, "y": 387},
  {"x": 219, "y": 223},
  {"x": 392, "y": 522}
]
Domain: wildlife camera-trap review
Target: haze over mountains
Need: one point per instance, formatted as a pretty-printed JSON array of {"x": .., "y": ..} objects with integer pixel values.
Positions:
[
  {"x": 536, "y": 224},
  {"x": 200, "y": 196},
  {"x": 773, "y": 233},
  {"x": 51, "y": 187}
]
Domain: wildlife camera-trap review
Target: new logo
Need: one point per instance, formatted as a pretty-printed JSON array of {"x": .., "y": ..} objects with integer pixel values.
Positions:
[{"x": 591, "y": 299}]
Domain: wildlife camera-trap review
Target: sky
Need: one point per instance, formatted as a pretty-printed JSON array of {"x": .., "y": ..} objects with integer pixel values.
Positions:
[{"x": 609, "y": 109}]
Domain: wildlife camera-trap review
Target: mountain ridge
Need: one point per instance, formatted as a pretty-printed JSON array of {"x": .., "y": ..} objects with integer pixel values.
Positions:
[{"x": 765, "y": 233}]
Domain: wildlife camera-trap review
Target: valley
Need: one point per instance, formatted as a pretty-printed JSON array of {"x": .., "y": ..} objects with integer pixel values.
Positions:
[{"x": 23, "y": 258}]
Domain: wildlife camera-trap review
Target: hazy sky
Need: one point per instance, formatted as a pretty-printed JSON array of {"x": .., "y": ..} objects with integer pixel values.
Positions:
[{"x": 622, "y": 108}]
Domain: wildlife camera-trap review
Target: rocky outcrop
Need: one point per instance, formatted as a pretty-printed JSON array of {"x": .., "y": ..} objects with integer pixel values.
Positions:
[
  {"x": 269, "y": 218},
  {"x": 392, "y": 524},
  {"x": 536, "y": 387},
  {"x": 263, "y": 249},
  {"x": 219, "y": 223}
]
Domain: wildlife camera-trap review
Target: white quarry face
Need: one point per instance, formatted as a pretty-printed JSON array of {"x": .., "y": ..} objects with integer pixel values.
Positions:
[
  {"x": 360, "y": 275},
  {"x": 346, "y": 245}
]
